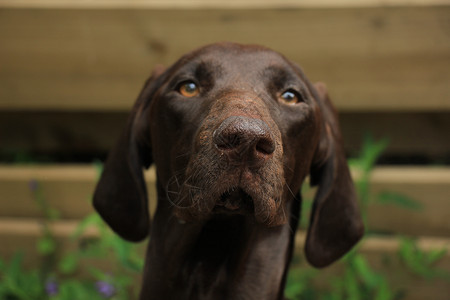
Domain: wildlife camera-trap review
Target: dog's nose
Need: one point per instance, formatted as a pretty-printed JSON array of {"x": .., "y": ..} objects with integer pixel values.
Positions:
[{"x": 244, "y": 139}]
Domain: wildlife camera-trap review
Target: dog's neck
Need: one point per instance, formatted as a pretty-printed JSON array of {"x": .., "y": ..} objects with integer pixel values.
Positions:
[{"x": 221, "y": 258}]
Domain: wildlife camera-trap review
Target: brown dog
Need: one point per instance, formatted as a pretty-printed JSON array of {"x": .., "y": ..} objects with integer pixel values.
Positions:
[{"x": 233, "y": 131}]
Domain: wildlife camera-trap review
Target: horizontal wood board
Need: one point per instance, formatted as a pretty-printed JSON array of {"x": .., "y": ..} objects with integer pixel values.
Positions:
[
  {"x": 69, "y": 189},
  {"x": 373, "y": 59},
  {"x": 196, "y": 4}
]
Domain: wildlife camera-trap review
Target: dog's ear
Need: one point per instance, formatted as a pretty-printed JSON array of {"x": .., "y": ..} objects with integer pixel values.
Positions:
[
  {"x": 121, "y": 195},
  {"x": 336, "y": 224}
]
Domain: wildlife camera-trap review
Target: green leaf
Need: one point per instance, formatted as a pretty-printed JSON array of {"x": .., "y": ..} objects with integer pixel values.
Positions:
[
  {"x": 53, "y": 214},
  {"x": 46, "y": 245},
  {"x": 2, "y": 265},
  {"x": 74, "y": 290},
  {"x": 15, "y": 266},
  {"x": 121, "y": 247},
  {"x": 351, "y": 286},
  {"x": 91, "y": 220},
  {"x": 383, "y": 292},
  {"x": 123, "y": 281},
  {"x": 69, "y": 263},
  {"x": 134, "y": 264},
  {"x": 435, "y": 255},
  {"x": 337, "y": 291},
  {"x": 18, "y": 283},
  {"x": 365, "y": 272},
  {"x": 419, "y": 261},
  {"x": 97, "y": 273},
  {"x": 399, "y": 200},
  {"x": 370, "y": 152},
  {"x": 299, "y": 285},
  {"x": 123, "y": 250},
  {"x": 407, "y": 252}
]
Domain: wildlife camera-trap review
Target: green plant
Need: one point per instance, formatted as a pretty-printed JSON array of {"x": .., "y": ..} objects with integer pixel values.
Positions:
[
  {"x": 58, "y": 276},
  {"x": 422, "y": 262},
  {"x": 357, "y": 279},
  {"x": 363, "y": 167},
  {"x": 19, "y": 284}
]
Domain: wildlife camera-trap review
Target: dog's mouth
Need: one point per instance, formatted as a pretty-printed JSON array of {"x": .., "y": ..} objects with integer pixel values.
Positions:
[{"x": 235, "y": 200}]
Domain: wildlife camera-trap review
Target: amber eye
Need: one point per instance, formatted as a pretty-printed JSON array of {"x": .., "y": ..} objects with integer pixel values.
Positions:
[
  {"x": 290, "y": 97},
  {"x": 188, "y": 89}
]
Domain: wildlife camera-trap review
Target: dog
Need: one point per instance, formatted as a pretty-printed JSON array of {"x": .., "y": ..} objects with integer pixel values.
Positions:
[{"x": 233, "y": 130}]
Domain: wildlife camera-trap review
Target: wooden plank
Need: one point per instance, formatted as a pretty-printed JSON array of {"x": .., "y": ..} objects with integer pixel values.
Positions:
[
  {"x": 381, "y": 255},
  {"x": 378, "y": 59},
  {"x": 428, "y": 186},
  {"x": 69, "y": 188},
  {"x": 195, "y": 4},
  {"x": 22, "y": 235}
]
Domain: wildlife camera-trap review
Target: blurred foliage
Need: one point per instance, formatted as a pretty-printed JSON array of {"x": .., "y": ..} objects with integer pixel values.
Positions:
[
  {"x": 357, "y": 279},
  {"x": 58, "y": 277},
  {"x": 422, "y": 263}
]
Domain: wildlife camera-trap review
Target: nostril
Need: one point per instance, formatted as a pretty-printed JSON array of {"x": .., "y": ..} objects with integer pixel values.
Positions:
[
  {"x": 265, "y": 146},
  {"x": 238, "y": 135},
  {"x": 226, "y": 141}
]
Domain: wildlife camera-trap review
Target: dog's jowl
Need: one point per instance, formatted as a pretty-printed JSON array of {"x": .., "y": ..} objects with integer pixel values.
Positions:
[{"x": 233, "y": 131}]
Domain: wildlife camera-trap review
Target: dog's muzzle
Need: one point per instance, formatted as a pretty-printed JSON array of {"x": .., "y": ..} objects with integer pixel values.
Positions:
[{"x": 244, "y": 140}]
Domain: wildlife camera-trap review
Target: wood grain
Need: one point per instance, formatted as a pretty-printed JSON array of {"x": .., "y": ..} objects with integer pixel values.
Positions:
[
  {"x": 69, "y": 189},
  {"x": 372, "y": 59}
]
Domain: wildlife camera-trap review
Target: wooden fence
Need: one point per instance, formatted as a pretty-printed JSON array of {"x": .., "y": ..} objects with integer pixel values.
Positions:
[{"x": 70, "y": 70}]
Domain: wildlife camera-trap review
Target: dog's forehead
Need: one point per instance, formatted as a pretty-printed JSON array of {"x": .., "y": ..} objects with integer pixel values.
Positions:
[
  {"x": 253, "y": 54},
  {"x": 235, "y": 59}
]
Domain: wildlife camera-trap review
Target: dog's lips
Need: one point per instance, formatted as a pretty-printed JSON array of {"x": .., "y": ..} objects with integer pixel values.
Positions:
[{"x": 235, "y": 200}]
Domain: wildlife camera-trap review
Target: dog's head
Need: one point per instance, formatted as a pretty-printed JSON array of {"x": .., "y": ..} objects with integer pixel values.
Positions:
[{"x": 233, "y": 130}]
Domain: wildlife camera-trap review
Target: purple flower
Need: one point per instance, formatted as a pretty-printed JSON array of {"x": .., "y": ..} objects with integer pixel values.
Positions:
[
  {"x": 51, "y": 287},
  {"x": 106, "y": 289}
]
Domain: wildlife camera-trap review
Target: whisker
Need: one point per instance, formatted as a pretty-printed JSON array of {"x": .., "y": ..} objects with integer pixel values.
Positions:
[
  {"x": 170, "y": 193},
  {"x": 192, "y": 187},
  {"x": 183, "y": 155},
  {"x": 289, "y": 167},
  {"x": 290, "y": 190}
]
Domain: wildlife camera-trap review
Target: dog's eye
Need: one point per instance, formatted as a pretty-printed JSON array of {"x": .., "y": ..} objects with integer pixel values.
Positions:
[
  {"x": 188, "y": 89},
  {"x": 290, "y": 97}
]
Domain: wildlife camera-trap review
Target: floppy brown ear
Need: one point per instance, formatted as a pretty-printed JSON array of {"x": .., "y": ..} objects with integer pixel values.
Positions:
[
  {"x": 121, "y": 195},
  {"x": 336, "y": 224}
]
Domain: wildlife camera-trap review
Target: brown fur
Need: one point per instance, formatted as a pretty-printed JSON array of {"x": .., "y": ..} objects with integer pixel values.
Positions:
[{"x": 230, "y": 162}]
